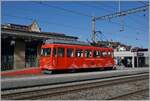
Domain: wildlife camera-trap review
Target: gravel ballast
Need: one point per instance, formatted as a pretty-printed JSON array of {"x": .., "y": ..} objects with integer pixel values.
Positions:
[{"x": 102, "y": 93}]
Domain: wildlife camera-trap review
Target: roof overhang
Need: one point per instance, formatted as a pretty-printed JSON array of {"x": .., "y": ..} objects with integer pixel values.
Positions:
[{"x": 35, "y": 35}]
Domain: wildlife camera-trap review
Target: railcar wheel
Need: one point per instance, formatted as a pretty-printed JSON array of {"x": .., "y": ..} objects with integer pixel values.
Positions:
[
  {"x": 47, "y": 72},
  {"x": 114, "y": 67},
  {"x": 72, "y": 70},
  {"x": 109, "y": 68},
  {"x": 101, "y": 69}
]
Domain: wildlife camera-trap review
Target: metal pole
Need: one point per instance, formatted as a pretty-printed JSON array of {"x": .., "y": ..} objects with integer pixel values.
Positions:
[
  {"x": 121, "y": 19},
  {"x": 93, "y": 30},
  {"x": 137, "y": 61},
  {"x": 119, "y": 6},
  {"x": 132, "y": 61}
]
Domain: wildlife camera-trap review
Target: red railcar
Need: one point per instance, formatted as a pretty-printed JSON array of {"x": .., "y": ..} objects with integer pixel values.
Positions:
[{"x": 64, "y": 56}]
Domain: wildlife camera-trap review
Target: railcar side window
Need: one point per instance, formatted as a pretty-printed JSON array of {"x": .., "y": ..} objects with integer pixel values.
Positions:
[
  {"x": 99, "y": 54},
  {"x": 104, "y": 54},
  {"x": 96, "y": 53},
  {"x": 109, "y": 54},
  {"x": 112, "y": 54},
  {"x": 46, "y": 51},
  {"x": 61, "y": 52},
  {"x": 79, "y": 53},
  {"x": 70, "y": 52},
  {"x": 88, "y": 53}
]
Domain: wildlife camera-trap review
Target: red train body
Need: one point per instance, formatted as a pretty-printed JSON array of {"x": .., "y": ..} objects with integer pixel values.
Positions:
[{"x": 64, "y": 56}]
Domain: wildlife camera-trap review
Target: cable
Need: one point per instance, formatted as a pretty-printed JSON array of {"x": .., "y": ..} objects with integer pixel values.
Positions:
[
  {"x": 91, "y": 6},
  {"x": 64, "y": 9},
  {"x": 126, "y": 25},
  {"x": 23, "y": 10},
  {"x": 107, "y": 10},
  {"x": 142, "y": 2},
  {"x": 48, "y": 22},
  {"x": 114, "y": 22},
  {"x": 129, "y": 16}
]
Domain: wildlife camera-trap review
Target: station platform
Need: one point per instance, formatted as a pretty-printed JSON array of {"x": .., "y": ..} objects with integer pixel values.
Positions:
[
  {"x": 27, "y": 71},
  {"x": 34, "y": 71}
]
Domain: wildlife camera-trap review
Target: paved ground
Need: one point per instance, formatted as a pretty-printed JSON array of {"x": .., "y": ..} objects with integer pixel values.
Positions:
[{"x": 32, "y": 75}]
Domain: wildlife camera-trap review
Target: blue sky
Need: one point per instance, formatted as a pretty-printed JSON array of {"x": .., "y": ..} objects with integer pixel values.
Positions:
[{"x": 52, "y": 19}]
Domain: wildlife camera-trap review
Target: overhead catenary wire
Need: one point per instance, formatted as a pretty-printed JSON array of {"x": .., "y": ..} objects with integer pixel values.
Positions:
[
  {"x": 66, "y": 10},
  {"x": 116, "y": 33},
  {"x": 114, "y": 15},
  {"x": 71, "y": 11},
  {"x": 95, "y": 7},
  {"x": 47, "y": 22},
  {"x": 129, "y": 26},
  {"x": 110, "y": 6},
  {"x": 122, "y": 13},
  {"x": 138, "y": 28},
  {"x": 144, "y": 3}
]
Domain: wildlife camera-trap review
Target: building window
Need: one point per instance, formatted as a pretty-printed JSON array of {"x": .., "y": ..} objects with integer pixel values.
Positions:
[
  {"x": 7, "y": 55},
  {"x": 31, "y": 54}
]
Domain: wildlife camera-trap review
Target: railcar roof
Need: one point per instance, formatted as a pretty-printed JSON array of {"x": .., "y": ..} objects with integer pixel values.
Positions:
[{"x": 76, "y": 46}]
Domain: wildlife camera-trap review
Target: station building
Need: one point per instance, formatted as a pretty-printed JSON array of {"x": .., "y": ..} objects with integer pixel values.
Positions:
[
  {"x": 20, "y": 45},
  {"x": 138, "y": 58},
  {"x": 128, "y": 56}
]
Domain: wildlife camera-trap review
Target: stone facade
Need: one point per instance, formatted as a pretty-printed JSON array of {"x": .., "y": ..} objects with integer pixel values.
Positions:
[
  {"x": 19, "y": 55},
  {"x": 21, "y": 45}
]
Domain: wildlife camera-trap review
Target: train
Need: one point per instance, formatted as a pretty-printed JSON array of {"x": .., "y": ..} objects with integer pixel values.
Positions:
[{"x": 75, "y": 55}]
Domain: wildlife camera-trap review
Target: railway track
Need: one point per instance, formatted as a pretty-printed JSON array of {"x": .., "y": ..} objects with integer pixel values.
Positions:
[
  {"x": 39, "y": 92},
  {"x": 128, "y": 94}
]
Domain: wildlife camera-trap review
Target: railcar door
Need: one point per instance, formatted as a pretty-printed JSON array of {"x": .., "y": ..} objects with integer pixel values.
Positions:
[
  {"x": 97, "y": 59},
  {"x": 70, "y": 58},
  {"x": 88, "y": 58},
  {"x": 79, "y": 59},
  {"x": 54, "y": 57},
  {"x": 61, "y": 58},
  {"x": 45, "y": 59},
  {"x": 104, "y": 58},
  {"x": 110, "y": 62}
]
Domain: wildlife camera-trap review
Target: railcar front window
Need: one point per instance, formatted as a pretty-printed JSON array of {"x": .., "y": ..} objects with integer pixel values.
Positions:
[{"x": 46, "y": 51}]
